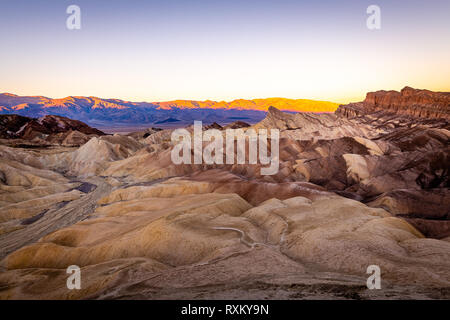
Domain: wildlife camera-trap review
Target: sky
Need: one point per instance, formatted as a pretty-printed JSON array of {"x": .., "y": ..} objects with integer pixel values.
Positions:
[{"x": 223, "y": 50}]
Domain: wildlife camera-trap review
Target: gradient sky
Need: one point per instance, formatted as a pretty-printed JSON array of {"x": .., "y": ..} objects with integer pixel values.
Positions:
[{"x": 222, "y": 50}]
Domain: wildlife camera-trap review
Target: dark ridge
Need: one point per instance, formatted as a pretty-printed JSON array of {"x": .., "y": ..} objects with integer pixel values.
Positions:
[
  {"x": 33, "y": 218},
  {"x": 169, "y": 120},
  {"x": 86, "y": 187}
]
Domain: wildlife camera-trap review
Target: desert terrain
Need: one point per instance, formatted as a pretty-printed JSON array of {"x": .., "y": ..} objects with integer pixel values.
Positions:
[{"x": 365, "y": 185}]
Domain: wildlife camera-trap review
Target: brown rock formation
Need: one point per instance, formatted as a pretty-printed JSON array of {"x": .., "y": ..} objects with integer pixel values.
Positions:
[
  {"x": 49, "y": 129},
  {"x": 408, "y": 102}
]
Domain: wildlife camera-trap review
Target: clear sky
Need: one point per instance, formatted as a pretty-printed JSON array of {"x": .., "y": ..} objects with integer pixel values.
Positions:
[{"x": 222, "y": 50}]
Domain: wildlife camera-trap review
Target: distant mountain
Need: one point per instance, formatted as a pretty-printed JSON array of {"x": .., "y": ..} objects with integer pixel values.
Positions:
[
  {"x": 295, "y": 105},
  {"x": 114, "y": 112}
]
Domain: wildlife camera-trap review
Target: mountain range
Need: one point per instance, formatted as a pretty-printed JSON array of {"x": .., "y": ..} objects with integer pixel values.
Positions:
[{"x": 106, "y": 113}]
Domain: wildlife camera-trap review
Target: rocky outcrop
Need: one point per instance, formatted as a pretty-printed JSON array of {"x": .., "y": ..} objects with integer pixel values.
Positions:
[
  {"x": 237, "y": 125},
  {"x": 139, "y": 135},
  {"x": 46, "y": 130},
  {"x": 306, "y": 126},
  {"x": 410, "y": 102},
  {"x": 12, "y": 125}
]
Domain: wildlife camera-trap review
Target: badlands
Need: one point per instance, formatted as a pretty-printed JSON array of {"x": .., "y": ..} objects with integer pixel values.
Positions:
[{"x": 366, "y": 185}]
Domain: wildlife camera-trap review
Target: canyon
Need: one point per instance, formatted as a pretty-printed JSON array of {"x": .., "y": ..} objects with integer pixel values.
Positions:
[{"x": 365, "y": 185}]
